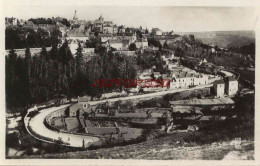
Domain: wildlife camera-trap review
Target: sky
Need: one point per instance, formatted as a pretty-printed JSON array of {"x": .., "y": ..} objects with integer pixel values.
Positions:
[{"x": 178, "y": 19}]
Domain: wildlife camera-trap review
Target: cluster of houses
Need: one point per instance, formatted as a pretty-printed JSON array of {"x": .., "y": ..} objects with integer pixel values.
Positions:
[
  {"x": 179, "y": 76},
  {"x": 110, "y": 35},
  {"x": 107, "y": 32},
  {"x": 29, "y": 24},
  {"x": 183, "y": 79}
]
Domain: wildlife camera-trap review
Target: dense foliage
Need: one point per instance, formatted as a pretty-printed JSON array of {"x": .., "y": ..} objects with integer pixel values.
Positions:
[
  {"x": 55, "y": 73},
  {"x": 38, "y": 21},
  {"x": 19, "y": 37},
  {"x": 42, "y": 20},
  {"x": 39, "y": 78},
  {"x": 196, "y": 49},
  {"x": 151, "y": 59},
  {"x": 64, "y": 21},
  {"x": 132, "y": 47},
  {"x": 154, "y": 42},
  {"x": 246, "y": 49}
]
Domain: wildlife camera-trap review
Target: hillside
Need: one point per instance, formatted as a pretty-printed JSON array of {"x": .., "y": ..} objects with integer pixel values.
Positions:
[
  {"x": 158, "y": 151},
  {"x": 235, "y": 57},
  {"x": 213, "y": 142},
  {"x": 225, "y": 38}
]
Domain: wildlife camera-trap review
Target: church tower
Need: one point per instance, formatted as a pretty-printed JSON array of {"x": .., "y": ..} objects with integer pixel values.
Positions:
[
  {"x": 75, "y": 18},
  {"x": 101, "y": 18}
]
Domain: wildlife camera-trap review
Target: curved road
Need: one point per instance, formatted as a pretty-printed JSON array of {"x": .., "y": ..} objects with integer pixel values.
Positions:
[
  {"x": 37, "y": 125},
  {"x": 37, "y": 122},
  {"x": 154, "y": 94},
  {"x": 227, "y": 73}
]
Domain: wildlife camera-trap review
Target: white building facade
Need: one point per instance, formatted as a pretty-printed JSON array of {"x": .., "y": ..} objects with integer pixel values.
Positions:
[
  {"x": 232, "y": 86},
  {"x": 219, "y": 88}
]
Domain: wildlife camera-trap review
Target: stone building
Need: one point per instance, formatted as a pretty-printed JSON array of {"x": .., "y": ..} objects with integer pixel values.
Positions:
[
  {"x": 219, "y": 88},
  {"x": 107, "y": 29},
  {"x": 115, "y": 29},
  {"x": 76, "y": 110},
  {"x": 231, "y": 86},
  {"x": 186, "y": 79},
  {"x": 156, "y": 31}
]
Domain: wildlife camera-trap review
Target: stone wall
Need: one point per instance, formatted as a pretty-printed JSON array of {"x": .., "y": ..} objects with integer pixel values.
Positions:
[
  {"x": 21, "y": 52},
  {"x": 52, "y": 116}
]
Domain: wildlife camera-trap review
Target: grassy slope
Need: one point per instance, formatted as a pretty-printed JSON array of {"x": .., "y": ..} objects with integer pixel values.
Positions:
[
  {"x": 225, "y": 38},
  {"x": 212, "y": 143}
]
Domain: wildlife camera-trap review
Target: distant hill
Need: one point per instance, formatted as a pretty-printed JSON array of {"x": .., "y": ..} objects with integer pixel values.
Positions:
[{"x": 225, "y": 38}]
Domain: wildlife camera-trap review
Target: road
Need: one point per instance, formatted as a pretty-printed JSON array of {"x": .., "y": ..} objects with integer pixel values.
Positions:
[
  {"x": 37, "y": 125},
  {"x": 149, "y": 94},
  {"x": 229, "y": 74}
]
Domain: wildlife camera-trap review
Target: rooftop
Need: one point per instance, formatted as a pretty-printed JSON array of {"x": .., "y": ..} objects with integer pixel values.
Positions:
[
  {"x": 76, "y": 107},
  {"x": 156, "y": 73},
  {"x": 106, "y": 35},
  {"x": 231, "y": 78},
  {"x": 108, "y": 22},
  {"x": 186, "y": 109},
  {"x": 77, "y": 34},
  {"x": 219, "y": 82},
  {"x": 125, "y": 41},
  {"x": 101, "y": 130},
  {"x": 156, "y": 29},
  {"x": 199, "y": 102},
  {"x": 107, "y": 25},
  {"x": 84, "y": 99},
  {"x": 75, "y": 26},
  {"x": 115, "y": 41}
]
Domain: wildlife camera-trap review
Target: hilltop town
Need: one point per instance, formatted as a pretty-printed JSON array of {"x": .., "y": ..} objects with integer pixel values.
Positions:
[{"x": 59, "y": 74}]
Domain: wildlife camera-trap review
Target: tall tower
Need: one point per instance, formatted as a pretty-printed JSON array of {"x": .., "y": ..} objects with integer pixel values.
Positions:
[
  {"x": 101, "y": 18},
  {"x": 75, "y": 18}
]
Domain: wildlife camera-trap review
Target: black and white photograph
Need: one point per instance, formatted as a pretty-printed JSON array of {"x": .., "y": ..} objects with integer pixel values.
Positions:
[{"x": 129, "y": 82}]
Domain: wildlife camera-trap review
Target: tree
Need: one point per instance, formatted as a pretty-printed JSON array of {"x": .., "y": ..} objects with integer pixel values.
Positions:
[
  {"x": 141, "y": 90},
  {"x": 42, "y": 21},
  {"x": 26, "y": 78},
  {"x": 12, "y": 55},
  {"x": 56, "y": 37},
  {"x": 178, "y": 52},
  {"x": 127, "y": 30},
  {"x": 56, "y": 40},
  {"x": 14, "y": 38},
  {"x": 165, "y": 45},
  {"x": 158, "y": 55},
  {"x": 65, "y": 54},
  {"x": 132, "y": 47},
  {"x": 50, "y": 21},
  {"x": 79, "y": 58},
  {"x": 54, "y": 52},
  {"x": 17, "y": 81},
  {"x": 44, "y": 37},
  {"x": 44, "y": 54},
  {"x": 152, "y": 76},
  {"x": 44, "y": 59},
  {"x": 10, "y": 70},
  {"x": 28, "y": 61},
  {"x": 64, "y": 21},
  {"x": 117, "y": 103},
  {"x": 139, "y": 33},
  {"x": 154, "y": 42},
  {"x": 33, "y": 40},
  {"x": 129, "y": 104},
  {"x": 146, "y": 31}
]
